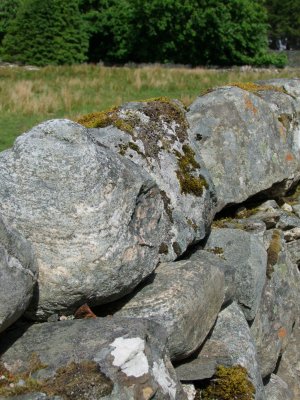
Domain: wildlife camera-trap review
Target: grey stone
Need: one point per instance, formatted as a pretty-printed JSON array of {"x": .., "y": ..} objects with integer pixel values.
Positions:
[
  {"x": 277, "y": 312},
  {"x": 277, "y": 389},
  {"x": 289, "y": 366},
  {"x": 257, "y": 154},
  {"x": 158, "y": 141},
  {"x": 215, "y": 257},
  {"x": 248, "y": 257},
  {"x": 185, "y": 298},
  {"x": 230, "y": 343},
  {"x": 18, "y": 275},
  {"x": 290, "y": 85},
  {"x": 294, "y": 251},
  {"x": 92, "y": 217},
  {"x": 130, "y": 356}
]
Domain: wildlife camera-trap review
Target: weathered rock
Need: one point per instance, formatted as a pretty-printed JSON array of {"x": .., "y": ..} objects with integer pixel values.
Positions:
[
  {"x": 248, "y": 257},
  {"x": 230, "y": 343},
  {"x": 185, "y": 298},
  {"x": 277, "y": 389},
  {"x": 93, "y": 217},
  {"x": 215, "y": 258},
  {"x": 257, "y": 156},
  {"x": 294, "y": 251},
  {"x": 18, "y": 275},
  {"x": 154, "y": 135},
  {"x": 292, "y": 234},
  {"x": 115, "y": 359},
  {"x": 290, "y": 85},
  {"x": 276, "y": 315},
  {"x": 289, "y": 366}
]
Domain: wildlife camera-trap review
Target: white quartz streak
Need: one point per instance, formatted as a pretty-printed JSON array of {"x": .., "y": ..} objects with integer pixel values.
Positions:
[{"x": 129, "y": 356}]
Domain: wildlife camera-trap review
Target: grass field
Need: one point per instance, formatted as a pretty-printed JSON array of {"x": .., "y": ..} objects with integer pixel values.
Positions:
[{"x": 28, "y": 97}]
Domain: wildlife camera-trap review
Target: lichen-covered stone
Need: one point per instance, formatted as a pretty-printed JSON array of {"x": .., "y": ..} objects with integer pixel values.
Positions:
[
  {"x": 92, "y": 217},
  {"x": 243, "y": 144},
  {"x": 248, "y": 258},
  {"x": 277, "y": 312},
  {"x": 18, "y": 274},
  {"x": 184, "y": 297},
  {"x": 158, "y": 141},
  {"x": 109, "y": 358}
]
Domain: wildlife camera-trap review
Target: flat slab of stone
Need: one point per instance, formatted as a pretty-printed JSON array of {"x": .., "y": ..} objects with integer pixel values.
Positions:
[
  {"x": 230, "y": 343},
  {"x": 125, "y": 358},
  {"x": 185, "y": 298},
  {"x": 277, "y": 389},
  {"x": 92, "y": 216},
  {"x": 18, "y": 275},
  {"x": 248, "y": 258}
]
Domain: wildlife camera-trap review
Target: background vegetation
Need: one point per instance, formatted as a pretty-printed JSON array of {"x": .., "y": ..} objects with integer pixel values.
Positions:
[
  {"x": 28, "y": 97},
  {"x": 195, "y": 32}
]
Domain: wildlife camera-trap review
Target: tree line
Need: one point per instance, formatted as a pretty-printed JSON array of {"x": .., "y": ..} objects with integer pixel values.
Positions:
[{"x": 195, "y": 32}]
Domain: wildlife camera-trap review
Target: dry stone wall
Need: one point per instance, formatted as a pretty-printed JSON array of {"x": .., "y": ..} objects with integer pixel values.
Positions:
[{"x": 173, "y": 233}]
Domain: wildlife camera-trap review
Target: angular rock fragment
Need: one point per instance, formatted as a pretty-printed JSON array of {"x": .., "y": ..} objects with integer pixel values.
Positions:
[
  {"x": 230, "y": 343},
  {"x": 277, "y": 312},
  {"x": 277, "y": 389},
  {"x": 18, "y": 275},
  {"x": 248, "y": 258},
  {"x": 185, "y": 298},
  {"x": 154, "y": 134},
  {"x": 258, "y": 154},
  {"x": 110, "y": 359},
  {"x": 92, "y": 217}
]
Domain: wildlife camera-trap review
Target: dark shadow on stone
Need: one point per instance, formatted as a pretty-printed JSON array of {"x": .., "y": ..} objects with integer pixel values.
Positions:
[{"x": 13, "y": 333}]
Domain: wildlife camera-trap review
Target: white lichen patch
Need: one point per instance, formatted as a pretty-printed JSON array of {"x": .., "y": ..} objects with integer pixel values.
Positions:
[
  {"x": 129, "y": 356},
  {"x": 163, "y": 378}
]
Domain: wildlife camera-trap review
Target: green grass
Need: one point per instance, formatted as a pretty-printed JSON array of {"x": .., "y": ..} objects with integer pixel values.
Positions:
[{"x": 29, "y": 97}]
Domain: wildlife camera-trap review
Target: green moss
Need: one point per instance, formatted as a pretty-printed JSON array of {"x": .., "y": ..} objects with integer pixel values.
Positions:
[
  {"x": 273, "y": 252},
  {"x": 229, "y": 383},
  {"x": 192, "y": 224},
  {"x": 189, "y": 183},
  {"x": 256, "y": 88},
  {"x": 163, "y": 248},
  {"x": 76, "y": 381},
  {"x": 130, "y": 145},
  {"x": 177, "y": 249},
  {"x": 216, "y": 250},
  {"x": 105, "y": 118}
]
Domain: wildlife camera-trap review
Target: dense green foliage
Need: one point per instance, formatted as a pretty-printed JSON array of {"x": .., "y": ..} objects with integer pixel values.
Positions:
[
  {"x": 284, "y": 20},
  {"x": 196, "y": 32},
  {"x": 8, "y": 10},
  {"x": 46, "y": 32}
]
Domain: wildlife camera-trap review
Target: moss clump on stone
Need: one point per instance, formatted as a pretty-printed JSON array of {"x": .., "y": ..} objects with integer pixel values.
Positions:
[
  {"x": 105, "y": 118},
  {"x": 163, "y": 248},
  {"x": 273, "y": 252},
  {"x": 255, "y": 87},
  {"x": 229, "y": 383},
  {"x": 130, "y": 145},
  {"x": 177, "y": 249},
  {"x": 189, "y": 183},
  {"x": 76, "y": 381},
  {"x": 216, "y": 250}
]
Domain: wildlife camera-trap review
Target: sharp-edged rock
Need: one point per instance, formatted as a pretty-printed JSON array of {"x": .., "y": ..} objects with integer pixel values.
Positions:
[
  {"x": 248, "y": 258},
  {"x": 185, "y": 298},
  {"x": 18, "y": 274},
  {"x": 230, "y": 343}
]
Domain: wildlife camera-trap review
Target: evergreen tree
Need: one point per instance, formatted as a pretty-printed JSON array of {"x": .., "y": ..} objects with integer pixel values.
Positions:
[
  {"x": 8, "y": 10},
  {"x": 46, "y": 32}
]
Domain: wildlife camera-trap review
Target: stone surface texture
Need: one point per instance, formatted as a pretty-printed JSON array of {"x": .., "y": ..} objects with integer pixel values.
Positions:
[
  {"x": 18, "y": 274},
  {"x": 158, "y": 141},
  {"x": 230, "y": 343},
  {"x": 248, "y": 257},
  {"x": 130, "y": 353},
  {"x": 257, "y": 152},
  {"x": 92, "y": 217},
  {"x": 185, "y": 297},
  {"x": 277, "y": 389}
]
